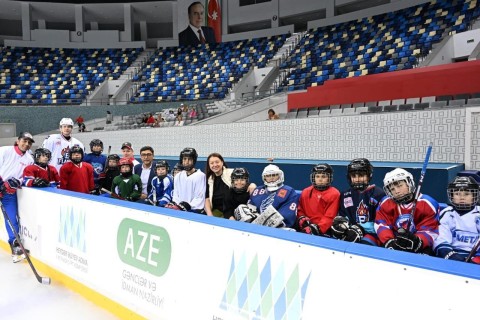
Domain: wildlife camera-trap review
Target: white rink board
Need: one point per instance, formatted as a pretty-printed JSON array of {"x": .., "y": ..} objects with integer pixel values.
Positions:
[{"x": 221, "y": 269}]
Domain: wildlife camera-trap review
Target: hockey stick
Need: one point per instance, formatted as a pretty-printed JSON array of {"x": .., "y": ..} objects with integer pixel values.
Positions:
[
  {"x": 114, "y": 195},
  {"x": 420, "y": 182},
  {"x": 42, "y": 280},
  {"x": 474, "y": 251}
]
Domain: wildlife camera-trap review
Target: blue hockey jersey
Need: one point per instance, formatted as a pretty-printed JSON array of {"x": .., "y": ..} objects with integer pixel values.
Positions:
[{"x": 163, "y": 189}]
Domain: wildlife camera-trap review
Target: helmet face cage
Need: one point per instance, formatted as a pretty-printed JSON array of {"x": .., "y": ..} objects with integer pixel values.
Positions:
[
  {"x": 462, "y": 187},
  {"x": 240, "y": 173},
  {"x": 272, "y": 170},
  {"x": 42, "y": 152},
  {"x": 359, "y": 166},
  {"x": 326, "y": 169},
  {"x": 96, "y": 142},
  {"x": 76, "y": 149},
  {"x": 162, "y": 164},
  {"x": 393, "y": 178},
  {"x": 188, "y": 153}
]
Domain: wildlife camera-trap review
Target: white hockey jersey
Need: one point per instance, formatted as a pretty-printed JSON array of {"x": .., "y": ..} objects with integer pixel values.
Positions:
[{"x": 60, "y": 147}]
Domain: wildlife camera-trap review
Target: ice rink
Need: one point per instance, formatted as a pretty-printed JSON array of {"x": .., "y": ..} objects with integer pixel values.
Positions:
[{"x": 22, "y": 297}]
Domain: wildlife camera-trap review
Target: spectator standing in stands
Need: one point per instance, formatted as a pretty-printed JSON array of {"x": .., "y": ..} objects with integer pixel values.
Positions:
[
  {"x": 146, "y": 171},
  {"x": 318, "y": 203},
  {"x": 272, "y": 115},
  {"x": 396, "y": 228},
  {"x": 219, "y": 181},
  {"x": 77, "y": 175},
  {"x": 127, "y": 152},
  {"x": 358, "y": 205},
  {"x": 196, "y": 33},
  {"x": 60, "y": 144}
]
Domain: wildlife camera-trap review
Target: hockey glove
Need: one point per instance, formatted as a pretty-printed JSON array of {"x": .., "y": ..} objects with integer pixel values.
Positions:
[
  {"x": 475, "y": 260},
  {"x": 172, "y": 205},
  {"x": 354, "y": 234},
  {"x": 40, "y": 183},
  {"x": 391, "y": 244},
  {"x": 339, "y": 227},
  {"x": 407, "y": 241},
  {"x": 11, "y": 185},
  {"x": 303, "y": 224},
  {"x": 452, "y": 255},
  {"x": 184, "y": 206},
  {"x": 244, "y": 213}
]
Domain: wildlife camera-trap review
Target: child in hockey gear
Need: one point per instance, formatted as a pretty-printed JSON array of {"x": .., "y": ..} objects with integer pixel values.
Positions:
[
  {"x": 318, "y": 203},
  {"x": 397, "y": 228},
  {"x": 127, "y": 186},
  {"x": 41, "y": 174},
  {"x": 111, "y": 172},
  {"x": 274, "y": 197},
  {"x": 176, "y": 169},
  {"x": 97, "y": 160},
  {"x": 190, "y": 184},
  {"x": 77, "y": 175},
  {"x": 162, "y": 185},
  {"x": 459, "y": 229},
  {"x": 13, "y": 160},
  {"x": 358, "y": 205},
  {"x": 238, "y": 193},
  {"x": 60, "y": 144}
]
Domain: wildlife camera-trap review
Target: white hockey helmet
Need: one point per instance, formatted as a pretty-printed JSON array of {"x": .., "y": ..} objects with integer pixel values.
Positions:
[
  {"x": 66, "y": 122},
  {"x": 393, "y": 178},
  {"x": 270, "y": 170}
]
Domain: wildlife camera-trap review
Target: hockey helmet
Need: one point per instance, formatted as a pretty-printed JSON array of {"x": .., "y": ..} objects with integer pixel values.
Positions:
[
  {"x": 320, "y": 168},
  {"x": 42, "y": 152},
  {"x": 162, "y": 164},
  {"x": 359, "y": 166},
  {"x": 271, "y": 171},
  {"x": 66, "y": 122},
  {"x": 459, "y": 192},
  {"x": 240, "y": 173},
  {"x": 96, "y": 142},
  {"x": 73, "y": 150},
  {"x": 392, "y": 178},
  {"x": 188, "y": 153}
]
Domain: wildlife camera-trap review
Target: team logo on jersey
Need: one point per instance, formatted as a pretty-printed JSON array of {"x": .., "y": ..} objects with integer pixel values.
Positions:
[
  {"x": 282, "y": 193},
  {"x": 267, "y": 201},
  {"x": 97, "y": 167},
  {"x": 362, "y": 212},
  {"x": 403, "y": 220},
  {"x": 65, "y": 155},
  {"x": 347, "y": 202}
]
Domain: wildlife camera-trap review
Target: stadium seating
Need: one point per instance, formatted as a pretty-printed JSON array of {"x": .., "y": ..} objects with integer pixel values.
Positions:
[{"x": 58, "y": 76}]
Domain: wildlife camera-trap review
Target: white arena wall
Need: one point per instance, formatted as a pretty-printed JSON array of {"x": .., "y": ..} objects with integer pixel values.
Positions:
[{"x": 148, "y": 262}]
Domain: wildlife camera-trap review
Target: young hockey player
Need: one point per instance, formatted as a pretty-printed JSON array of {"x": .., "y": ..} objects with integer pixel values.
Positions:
[
  {"x": 97, "y": 160},
  {"x": 274, "y": 199},
  {"x": 77, "y": 175},
  {"x": 394, "y": 224},
  {"x": 318, "y": 203},
  {"x": 127, "y": 186},
  {"x": 112, "y": 170},
  {"x": 459, "y": 229},
  {"x": 238, "y": 193},
  {"x": 358, "y": 205},
  {"x": 41, "y": 174},
  {"x": 176, "y": 169},
  {"x": 162, "y": 185},
  {"x": 59, "y": 144},
  {"x": 13, "y": 160},
  {"x": 189, "y": 184}
]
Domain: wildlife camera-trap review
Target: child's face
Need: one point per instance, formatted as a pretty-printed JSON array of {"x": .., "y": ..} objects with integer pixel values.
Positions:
[
  {"x": 187, "y": 161},
  {"x": 271, "y": 177},
  {"x": 161, "y": 171},
  {"x": 176, "y": 171},
  {"x": 321, "y": 179},
  {"x": 112, "y": 163},
  {"x": 398, "y": 189},
  {"x": 97, "y": 148},
  {"x": 66, "y": 130},
  {"x": 239, "y": 183},
  {"x": 359, "y": 177},
  {"x": 125, "y": 168},
  {"x": 76, "y": 156},
  {"x": 464, "y": 197},
  {"x": 43, "y": 159}
]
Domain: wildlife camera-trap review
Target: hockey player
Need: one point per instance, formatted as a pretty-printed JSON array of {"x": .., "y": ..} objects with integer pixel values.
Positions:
[
  {"x": 238, "y": 193},
  {"x": 162, "y": 185},
  {"x": 459, "y": 227},
  {"x": 127, "y": 186},
  {"x": 189, "y": 184},
  {"x": 358, "y": 205},
  {"x": 394, "y": 224},
  {"x": 76, "y": 175},
  {"x": 13, "y": 160},
  {"x": 111, "y": 172},
  {"x": 41, "y": 174},
  {"x": 59, "y": 144},
  {"x": 176, "y": 169},
  {"x": 274, "y": 196},
  {"x": 318, "y": 203},
  {"x": 97, "y": 160}
]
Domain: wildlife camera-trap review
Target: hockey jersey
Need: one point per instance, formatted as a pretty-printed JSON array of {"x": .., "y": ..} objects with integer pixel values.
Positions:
[
  {"x": 163, "y": 189},
  {"x": 391, "y": 216},
  {"x": 60, "y": 147},
  {"x": 284, "y": 200},
  {"x": 190, "y": 188},
  {"x": 232, "y": 200},
  {"x": 321, "y": 206},
  {"x": 78, "y": 178},
  {"x": 13, "y": 162},
  {"x": 98, "y": 163},
  {"x": 34, "y": 171},
  {"x": 458, "y": 232}
]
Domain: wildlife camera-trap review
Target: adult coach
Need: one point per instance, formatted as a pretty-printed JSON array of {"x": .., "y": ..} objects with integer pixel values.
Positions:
[
  {"x": 196, "y": 33},
  {"x": 59, "y": 144},
  {"x": 13, "y": 160}
]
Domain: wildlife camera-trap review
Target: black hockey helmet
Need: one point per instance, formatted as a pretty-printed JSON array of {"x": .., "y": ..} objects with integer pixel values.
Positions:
[
  {"x": 322, "y": 168},
  {"x": 240, "y": 173},
  {"x": 42, "y": 152},
  {"x": 177, "y": 168},
  {"x": 113, "y": 156},
  {"x": 188, "y": 153},
  {"x": 162, "y": 164},
  {"x": 96, "y": 142},
  {"x": 76, "y": 149},
  {"x": 362, "y": 166},
  {"x": 466, "y": 184}
]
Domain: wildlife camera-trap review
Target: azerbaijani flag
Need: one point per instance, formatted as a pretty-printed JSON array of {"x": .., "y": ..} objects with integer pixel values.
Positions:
[{"x": 214, "y": 18}]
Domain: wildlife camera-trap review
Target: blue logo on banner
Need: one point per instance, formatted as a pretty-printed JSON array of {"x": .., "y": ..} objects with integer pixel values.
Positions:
[{"x": 71, "y": 231}]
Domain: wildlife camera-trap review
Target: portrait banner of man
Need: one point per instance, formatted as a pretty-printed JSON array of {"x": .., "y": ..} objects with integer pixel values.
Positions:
[{"x": 196, "y": 33}]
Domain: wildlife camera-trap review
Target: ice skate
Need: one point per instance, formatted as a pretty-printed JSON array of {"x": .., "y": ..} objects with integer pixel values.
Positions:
[{"x": 17, "y": 253}]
